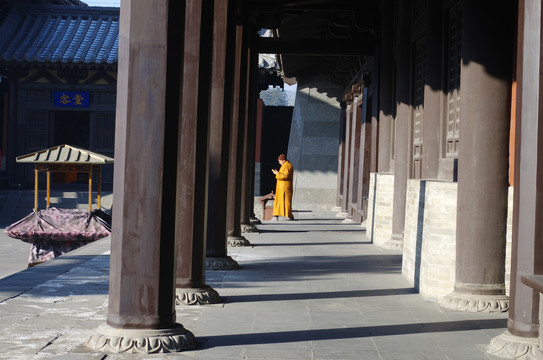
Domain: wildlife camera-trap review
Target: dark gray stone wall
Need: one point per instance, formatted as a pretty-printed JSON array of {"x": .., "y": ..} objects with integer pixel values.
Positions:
[{"x": 313, "y": 143}]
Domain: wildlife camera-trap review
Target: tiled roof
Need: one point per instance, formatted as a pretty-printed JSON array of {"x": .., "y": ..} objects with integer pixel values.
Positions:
[
  {"x": 61, "y": 2},
  {"x": 60, "y": 35},
  {"x": 65, "y": 154}
]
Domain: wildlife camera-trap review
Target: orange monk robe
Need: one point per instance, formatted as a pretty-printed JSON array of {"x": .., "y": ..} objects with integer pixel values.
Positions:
[{"x": 282, "y": 204}]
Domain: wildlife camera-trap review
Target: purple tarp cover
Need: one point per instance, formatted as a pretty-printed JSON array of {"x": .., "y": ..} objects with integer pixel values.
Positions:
[
  {"x": 53, "y": 232},
  {"x": 54, "y": 224}
]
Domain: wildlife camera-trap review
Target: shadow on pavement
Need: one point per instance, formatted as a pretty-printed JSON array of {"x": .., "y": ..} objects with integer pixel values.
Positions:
[
  {"x": 89, "y": 274},
  {"x": 254, "y": 244},
  {"x": 320, "y": 295},
  {"x": 349, "y": 333},
  {"x": 305, "y": 268}
]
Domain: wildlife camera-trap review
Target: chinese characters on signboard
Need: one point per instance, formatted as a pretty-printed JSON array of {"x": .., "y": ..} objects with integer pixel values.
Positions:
[{"x": 71, "y": 98}]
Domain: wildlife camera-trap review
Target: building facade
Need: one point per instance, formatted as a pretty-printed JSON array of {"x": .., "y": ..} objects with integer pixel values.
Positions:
[{"x": 59, "y": 66}]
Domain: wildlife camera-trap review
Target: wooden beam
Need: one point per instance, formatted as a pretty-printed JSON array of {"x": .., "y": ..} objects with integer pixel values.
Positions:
[{"x": 316, "y": 47}]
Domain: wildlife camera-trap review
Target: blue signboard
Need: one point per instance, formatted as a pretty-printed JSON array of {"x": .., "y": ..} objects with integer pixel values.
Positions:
[{"x": 71, "y": 98}]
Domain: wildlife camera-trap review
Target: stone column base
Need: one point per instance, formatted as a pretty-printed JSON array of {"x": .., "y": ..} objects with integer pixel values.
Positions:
[
  {"x": 341, "y": 214},
  {"x": 394, "y": 243},
  {"x": 238, "y": 241},
  {"x": 510, "y": 346},
  {"x": 336, "y": 208},
  {"x": 254, "y": 220},
  {"x": 475, "y": 303},
  {"x": 221, "y": 263},
  {"x": 197, "y": 296},
  {"x": 348, "y": 221},
  {"x": 141, "y": 341},
  {"x": 249, "y": 228}
]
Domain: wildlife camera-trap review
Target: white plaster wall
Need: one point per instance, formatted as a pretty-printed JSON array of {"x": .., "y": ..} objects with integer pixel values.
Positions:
[
  {"x": 369, "y": 218},
  {"x": 509, "y": 240},
  {"x": 379, "y": 220},
  {"x": 429, "y": 248},
  {"x": 429, "y": 252},
  {"x": 438, "y": 253},
  {"x": 413, "y": 222},
  {"x": 313, "y": 144}
]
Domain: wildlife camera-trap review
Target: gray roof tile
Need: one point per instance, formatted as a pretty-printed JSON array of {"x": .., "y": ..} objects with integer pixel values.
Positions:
[{"x": 61, "y": 35}]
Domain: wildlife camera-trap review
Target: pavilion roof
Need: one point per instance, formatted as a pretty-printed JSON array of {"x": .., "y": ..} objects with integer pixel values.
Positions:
[{"x": 65, "y": 154}]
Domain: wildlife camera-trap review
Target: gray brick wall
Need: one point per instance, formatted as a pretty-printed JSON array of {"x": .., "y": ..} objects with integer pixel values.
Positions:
[{"x": 379, "y": 220}]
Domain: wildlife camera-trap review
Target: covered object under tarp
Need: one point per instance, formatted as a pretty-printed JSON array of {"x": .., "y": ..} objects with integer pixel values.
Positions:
[{"x": 53, "y": 232}]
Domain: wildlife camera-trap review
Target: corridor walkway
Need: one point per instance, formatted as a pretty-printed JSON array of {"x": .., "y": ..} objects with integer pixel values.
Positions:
[{"x": 314, "y": 288}]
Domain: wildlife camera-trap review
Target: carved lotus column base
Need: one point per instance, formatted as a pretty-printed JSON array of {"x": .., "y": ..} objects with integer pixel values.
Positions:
[
  {"x": 348, "y": 220},
  {"x": 141, "y": 341},
  {"x": 249, "y": 228},
  {"x": 197, "y": 296},
  {"x": 510, "y": 346},
  {"x": 475, "y": 303},
  {"x": 394, "y": 243},
  {"x": 238, "y": 241},
  {"x": 341, "y": 215},
  {"x": 221, "y": 263},
  {"x": 255, "y": 221}
]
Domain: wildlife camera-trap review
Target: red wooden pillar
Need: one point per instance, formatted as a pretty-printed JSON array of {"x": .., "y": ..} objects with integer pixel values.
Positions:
[
  {"x": 401, "y": 149},
  {"x": 247, "y": 182},
  {"x": 386, "y": 86},
  {"x": 483, "y": 159},
  {"x": 141, "y": 313},
  {"x": 193, "y": 163},
  {"x": 354, "y": 149},
  {"x": 523, "y": 326},
  {"x": 235, "y": 169},
  {"x": 340, "y": 197},
  {"x": 347, "y": 154}
]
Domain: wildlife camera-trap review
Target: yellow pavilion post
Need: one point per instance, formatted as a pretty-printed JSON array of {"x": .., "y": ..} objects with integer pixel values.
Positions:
[
  {"x": 90, "y": 188},
  {"x": 48, "y": 188},
  {"x": 36, "y": 188},
  {"x": 99, "y": 200}
]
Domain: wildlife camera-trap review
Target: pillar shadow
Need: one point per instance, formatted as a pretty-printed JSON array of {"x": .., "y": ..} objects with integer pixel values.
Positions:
[
  {"x": 271, "y": 231},
  {"x": 349, "y": 333},
  {"x": 332, "y": 243},
  {"x": 420, "y": 229},
  {"x": 319, "y": 295},
  {"x": 293, "y": 269},
  {"x": 373, "y": 205}
]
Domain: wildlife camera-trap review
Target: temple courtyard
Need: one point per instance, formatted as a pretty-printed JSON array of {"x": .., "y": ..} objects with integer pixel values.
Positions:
[{"x": 313, "y": 288}]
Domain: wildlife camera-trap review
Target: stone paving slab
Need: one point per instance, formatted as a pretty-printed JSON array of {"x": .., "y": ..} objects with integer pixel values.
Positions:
[{"x": 314, "y": 288}]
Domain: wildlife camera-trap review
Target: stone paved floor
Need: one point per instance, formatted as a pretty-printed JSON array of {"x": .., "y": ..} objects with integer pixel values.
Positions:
[{"x": 314, "y": 288}]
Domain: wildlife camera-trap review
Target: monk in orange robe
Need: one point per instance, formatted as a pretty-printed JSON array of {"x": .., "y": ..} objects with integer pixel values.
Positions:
[{"x": 282, "y": 205}]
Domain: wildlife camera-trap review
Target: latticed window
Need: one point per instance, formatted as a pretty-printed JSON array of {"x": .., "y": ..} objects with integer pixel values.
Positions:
[
  {"x": 104, "y": 137},
  {"x": 37, "y": 130},
  {"x": 418, "y": 104},
  {"x": 453, "y": 81}
]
